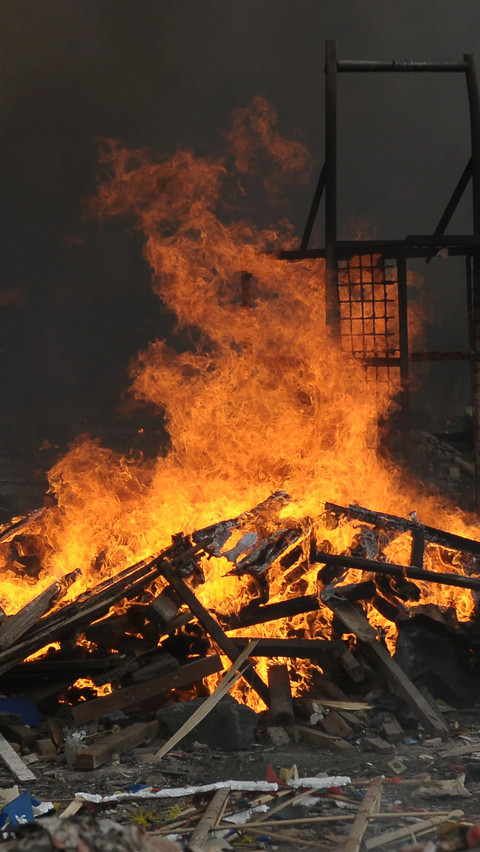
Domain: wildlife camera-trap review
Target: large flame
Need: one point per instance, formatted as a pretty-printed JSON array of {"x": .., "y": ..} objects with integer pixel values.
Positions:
[{"x": 262, "y": 398}]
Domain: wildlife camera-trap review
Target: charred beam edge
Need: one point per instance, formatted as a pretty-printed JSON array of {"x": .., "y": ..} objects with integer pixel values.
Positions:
[
  {"x": 314, "y": 209},
  {"x": 418, "y": 549},
  {"x": 419, "y": 247},
  {"x": 280, "y": 695},
  {"x": 403, "y": 343},
  {"x": 92, "y": 605},
  {"x": 393, "y": 522},
  {"x": 356, "y": 623},
  {"x": 300, "y": 649},
  {"x": 332, "y": 306},
  {"x": 393, "y": 570},
  {"x": 453, "y": 203},
  {"x": 403, "y": 66},
  {"x": 102, "y": 751},
  {"x": 7, "y": 532},
  {"x": 474, "y": 110},
  {"x": 138, "y": 692},
  {"x": 273, "y": 612},
  {"x": 213, "y": 628}
]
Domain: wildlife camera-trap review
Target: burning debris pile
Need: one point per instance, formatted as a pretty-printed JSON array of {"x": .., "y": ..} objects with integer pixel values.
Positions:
[
  {"x": 113, "y": 618},
  {"x": 165, "y": 642}
]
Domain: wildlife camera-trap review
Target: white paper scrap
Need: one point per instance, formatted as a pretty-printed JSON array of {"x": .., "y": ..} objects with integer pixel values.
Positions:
[
  {"x": 176, "y": 792},
  {"x": 241, "y": 817},
  {"x": 321, "y": 783}
]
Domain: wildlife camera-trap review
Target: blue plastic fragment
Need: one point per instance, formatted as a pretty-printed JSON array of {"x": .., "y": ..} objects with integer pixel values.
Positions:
[
  {"x": 411, "y": 741},
  {"x": 135, "y": 788},
  {"x": 24, "y": 707},
  {"x": 18, "y": 811}
]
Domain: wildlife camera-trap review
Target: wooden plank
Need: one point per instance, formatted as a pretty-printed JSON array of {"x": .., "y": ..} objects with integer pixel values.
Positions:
[
  {"x": 163, "y": 608},
  {"x": 356, "y": 623},
  {"x": 23, "y": 735},
  {"x": 409, "y": 831},
  {"x": 226, "y": 683},
  {"x": 14, "y": 763},
  {"x": 378, "y": 745},
  {"x": 286, "y": 803},
  {"x": 337, "y": 705},
  {"x": 87, "y": 608},
  {"x": 369, "y": 806},
  {"x": 300, "y": 649},
  {"x": 15, "y": 626},
  {"x": 213, "y": 628},
  {"x": 334, "y": 724},
  {"x": 72, "y": 809},
  {"x": 139, "y": 692},
  {"x": 208, "y": 820},
  {"x": 321, "y": 739},
  {"x": 393, "y": 522},
  {"x": 271, "y": 612},
  {"x": 350, "y": 664},
  {"x": 103, "y": 750},
  {"x": 392, "y": 731},
  {"x": 163, "y": 662},
  {"x": 280, "y": 695},
  {"x": 7, "y": 532}
]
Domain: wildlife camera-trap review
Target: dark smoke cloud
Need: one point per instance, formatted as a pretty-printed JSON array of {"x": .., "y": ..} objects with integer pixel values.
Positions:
[{"x": 160, "y": 74}]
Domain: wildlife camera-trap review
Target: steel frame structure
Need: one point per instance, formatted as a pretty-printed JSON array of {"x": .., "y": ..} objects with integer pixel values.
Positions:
[{"x": 342, "y": 257}]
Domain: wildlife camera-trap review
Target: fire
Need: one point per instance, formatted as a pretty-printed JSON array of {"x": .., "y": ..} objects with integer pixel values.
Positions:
[{"x": 261, "y": 397}]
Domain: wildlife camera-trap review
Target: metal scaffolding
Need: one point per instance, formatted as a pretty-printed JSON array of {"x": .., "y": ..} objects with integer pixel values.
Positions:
[{"x": 366, "y": 280}]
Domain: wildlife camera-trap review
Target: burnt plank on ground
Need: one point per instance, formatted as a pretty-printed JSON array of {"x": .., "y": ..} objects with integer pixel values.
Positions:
[{"x": 138, "y": 692}]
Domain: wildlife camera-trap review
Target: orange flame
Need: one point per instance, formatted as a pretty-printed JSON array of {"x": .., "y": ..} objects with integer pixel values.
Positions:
[{"x": 262, "y": 398}]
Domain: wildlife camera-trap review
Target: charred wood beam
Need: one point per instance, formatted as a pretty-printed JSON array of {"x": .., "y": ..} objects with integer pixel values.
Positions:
[
  {"x": 403, "y": 66},
  {"x": 271, "y": 612},
  {"x": 280, "y": 695},
  {"x": 355, "y": 622},
  {"x": 453, "y": 202},
  {"x": 392, "y": 522},
  {"x": 212, "y": 627},
  {"x": 45, "y": 668},
  {"x": 7, "y": 532},
  {"x": 313, "y": 210},
  {"x": 437, "y": 577},
  {"x": 15, "y": 626},
  {"x": 301, "y": 649},
  {"x": 94, "y": 604},
  {"x": 418, "y": 548},
  {"x": 138, "y": 692}
]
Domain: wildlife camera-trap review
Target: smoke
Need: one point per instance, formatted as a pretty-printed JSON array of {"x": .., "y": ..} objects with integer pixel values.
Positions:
[{"x": 162, "y": 75}]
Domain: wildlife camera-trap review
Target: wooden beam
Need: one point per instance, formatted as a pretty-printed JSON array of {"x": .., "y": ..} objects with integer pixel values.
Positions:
[
  {"x": 103, "y": 750},
  {"x": 228, "y": 680},
  {"x": 356, "y": 623},
  {"x": 14, "y": 763},
  {"x": 162, "y": 663},
  {"x": 410, "y": 830},
  {"x": 280, "y": 695},
  {"x": 369, "y": 806},
  {"x": 321, "y": 739},
  {"x": 271, "y": 612},
  {"x": 300, "y": 649},
  {"x": 209, "y": 819},
  {"x": 213, "y": 628},
  {"x": 15, "y": 626},
  {"x": 139, "y": 692}
]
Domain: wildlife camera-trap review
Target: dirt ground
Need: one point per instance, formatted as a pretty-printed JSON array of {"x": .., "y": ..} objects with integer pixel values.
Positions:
[{"x": 59, "y": 783}]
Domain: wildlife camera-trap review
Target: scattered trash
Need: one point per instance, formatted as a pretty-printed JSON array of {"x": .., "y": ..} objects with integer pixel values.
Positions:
[{"x": 439, "y": 789}]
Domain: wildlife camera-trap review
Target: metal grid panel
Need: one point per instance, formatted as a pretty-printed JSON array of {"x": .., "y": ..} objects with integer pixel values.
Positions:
[{"x": 368, "y": 297}]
